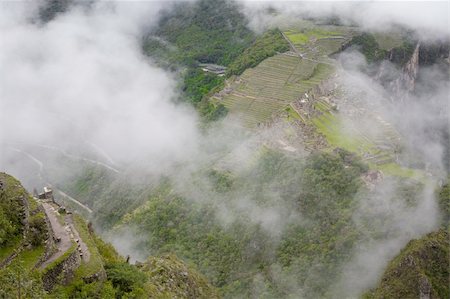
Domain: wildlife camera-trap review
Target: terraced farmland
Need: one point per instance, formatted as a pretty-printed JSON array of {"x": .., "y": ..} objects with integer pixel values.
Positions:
[
  {"x": 271, "y": 86},
  {"x": 279, "y": 80}
]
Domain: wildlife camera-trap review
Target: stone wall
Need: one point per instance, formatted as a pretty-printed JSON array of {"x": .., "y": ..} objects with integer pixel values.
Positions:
[
  {"x": 50, "y": 246},
  {"x": 63, "y": 272},
  {"x": 25, "y": 215},
  {"x": 10, "y": 258}
]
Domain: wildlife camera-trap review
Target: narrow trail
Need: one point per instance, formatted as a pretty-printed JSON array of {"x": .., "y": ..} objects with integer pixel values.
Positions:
[
  {"x": 62, "y": 233},
  {"x": 34, "y": 159},
  {"x": 72, "y": 199},
  {"x": 86, "y": 255},
  {"x": 68, "y": 155},
  {"x": 66, "y": 234}
]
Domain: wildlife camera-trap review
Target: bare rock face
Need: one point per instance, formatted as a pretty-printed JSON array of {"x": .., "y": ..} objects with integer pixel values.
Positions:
[
  {"x": 410, "y": 71},
  {"x": 401, "y": 73},
  {"x": 406, "y": 82}
]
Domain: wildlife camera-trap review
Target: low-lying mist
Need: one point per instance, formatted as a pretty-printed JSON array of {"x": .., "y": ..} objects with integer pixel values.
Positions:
[
  {"x": 78, "y": 96},
  {"x": 81, "y": 83},
  {"x": 429, "y": 20}
]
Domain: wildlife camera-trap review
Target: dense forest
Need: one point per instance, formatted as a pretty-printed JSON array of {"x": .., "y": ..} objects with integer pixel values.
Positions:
[{"x": 213, "y": 32}]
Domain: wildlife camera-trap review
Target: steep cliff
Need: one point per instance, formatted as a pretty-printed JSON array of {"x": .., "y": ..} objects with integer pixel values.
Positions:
[
  {"x": 406, "y": 81},
  {"x": 398, "y": 68}
]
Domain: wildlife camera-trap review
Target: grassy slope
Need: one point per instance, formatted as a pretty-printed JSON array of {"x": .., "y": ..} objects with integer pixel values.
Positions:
[
  {"x": 10, "y": 210},
  {"x": 95, "y": 264}
]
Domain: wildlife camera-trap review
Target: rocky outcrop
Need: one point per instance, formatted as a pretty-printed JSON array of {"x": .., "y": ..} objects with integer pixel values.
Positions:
[
  {"x": 432, "y": 53},
  {"x": 410, "y": 71},
  {"x": 400, "y": 82},
  {"x": 25, "y": 215}
]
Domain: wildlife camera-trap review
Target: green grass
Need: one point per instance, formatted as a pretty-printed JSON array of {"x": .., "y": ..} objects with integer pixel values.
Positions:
[
  {"x": 9, "y": 249},
  {"x": 28, "y": 257},
  {"x": 297, "y": 38},
  {"x": 388, "y": 41},
  {"x": 394, "y": 169},
  {"x": 331, "y": 126},
  {"x": 95, "y": 264},
  {"x": 292, "y": 114},
  {"x": 33, "y": 204}
]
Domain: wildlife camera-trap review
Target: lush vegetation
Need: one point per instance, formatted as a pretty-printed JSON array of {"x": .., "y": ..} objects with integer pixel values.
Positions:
[
  {"x": 402, "y": 54},
  {"x": 11, "y": 209},
  {"x": 205, "y": 31},
  {"x": 266, "y": 45},
  {"x": 201, "y": 32},
  {"x": 198, "y": 83},
  {"x": 233, "y": 256},
  {"x": 158, "y": 277},
  {"x": 369, "y": 47},
  {"x": 399, "y": 53},
  {"x": 208, "y": 32}
]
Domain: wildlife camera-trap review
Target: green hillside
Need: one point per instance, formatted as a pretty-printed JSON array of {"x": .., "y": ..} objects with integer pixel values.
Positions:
[
  {"x": 33, "y": 264},
  {"x": 421, "y": 270}
]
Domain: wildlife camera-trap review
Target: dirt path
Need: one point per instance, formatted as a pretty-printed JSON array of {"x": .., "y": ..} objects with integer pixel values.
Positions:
[
  {"x": 72, "y": 199},
  {"x": 86, "y": 255},
  {"x": 67, "y": 234},
  {"x": 71, "y": 156},
  {"x": 61, "y": 231}
]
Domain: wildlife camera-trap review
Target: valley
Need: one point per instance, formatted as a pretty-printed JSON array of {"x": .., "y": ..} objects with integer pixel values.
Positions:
[{"x": 220, "y": 152}]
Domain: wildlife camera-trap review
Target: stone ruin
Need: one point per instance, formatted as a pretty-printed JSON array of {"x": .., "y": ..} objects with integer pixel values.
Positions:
[{"x": 47, "y": 194}]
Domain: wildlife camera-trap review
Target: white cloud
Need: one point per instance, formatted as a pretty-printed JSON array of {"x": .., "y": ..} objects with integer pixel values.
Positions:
[
  {"x": 82, "y": 78},
  {"x": 429, "y": 18}
]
